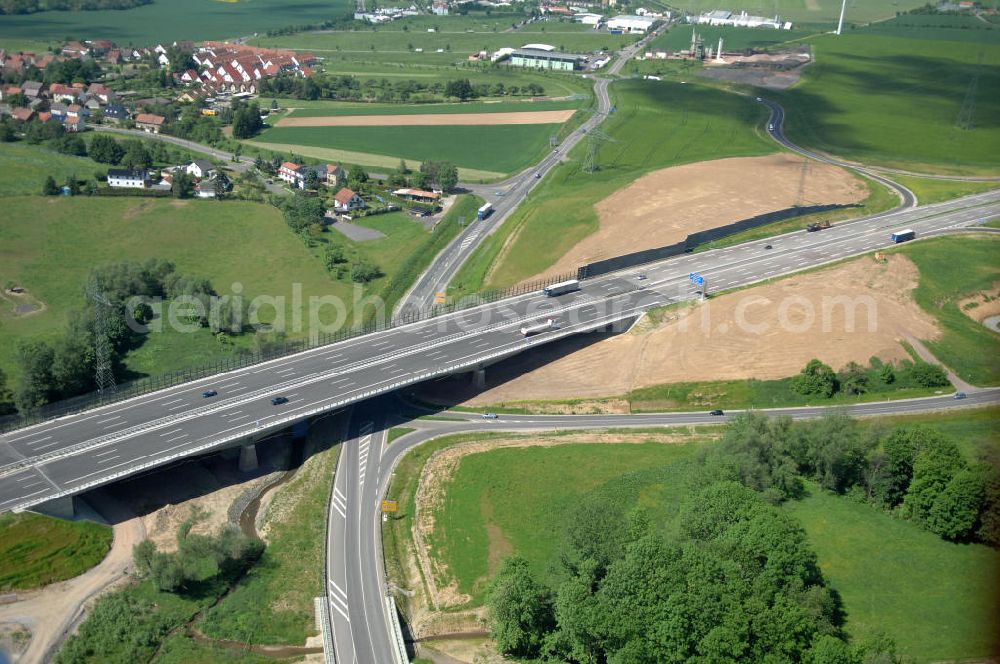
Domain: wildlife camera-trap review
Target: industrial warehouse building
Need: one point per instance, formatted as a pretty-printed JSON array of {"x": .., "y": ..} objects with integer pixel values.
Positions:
[
  {"x": 636, "y": 24},
  {"x": 538, "y": 59}
]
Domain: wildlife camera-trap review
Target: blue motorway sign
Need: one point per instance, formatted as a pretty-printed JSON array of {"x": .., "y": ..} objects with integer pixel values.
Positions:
[{"x": 696, "y": 278}]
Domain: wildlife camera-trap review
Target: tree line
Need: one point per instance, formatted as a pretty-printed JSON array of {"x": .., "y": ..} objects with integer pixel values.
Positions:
[
  {"x": 734, "y": 579},
  {"x": 351, "y": 88},
  {"x": 33, "y": 6}
]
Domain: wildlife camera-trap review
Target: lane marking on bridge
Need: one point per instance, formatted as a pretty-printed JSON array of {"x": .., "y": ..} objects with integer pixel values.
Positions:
[
  {"x": 339, "y": 503},
  {"x": 338, "y": 600},
  {"x": 364, "y": 444}
]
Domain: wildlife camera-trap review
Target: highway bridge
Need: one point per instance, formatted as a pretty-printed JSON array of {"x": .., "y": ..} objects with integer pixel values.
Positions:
[{"x": 74, "y": 453}]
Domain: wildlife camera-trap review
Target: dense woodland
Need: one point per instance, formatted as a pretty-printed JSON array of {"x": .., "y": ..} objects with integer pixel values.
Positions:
[
  {"x": 733, "y": 578},
  {"x": 33, "y": 6}
]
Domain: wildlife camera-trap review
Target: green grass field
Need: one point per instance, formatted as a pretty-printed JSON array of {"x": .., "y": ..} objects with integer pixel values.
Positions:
[
  {"x": 332, "y": 109},
  {"x": 274, "y": 601},
  {"x": 935, "y": 598},
  {"x": 657, "y": 124},
  {"x": 967, "y": 347},
  {"x": 37, "y": 550},
  {"x": 940, "y": 27},
  {"x": 500, "y": 148},
  {"x": 23, "y": 168},
  {"x": 898, "y": 102},
  {"x": 497, "y": 501},
  {"x": 929, "y": 190},
  {"x": 167, "y": 21},
  {"x": 49, "y": 246}
]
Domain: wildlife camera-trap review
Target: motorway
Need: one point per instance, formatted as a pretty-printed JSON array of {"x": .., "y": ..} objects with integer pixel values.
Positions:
[{"x": 83, "y": 450}]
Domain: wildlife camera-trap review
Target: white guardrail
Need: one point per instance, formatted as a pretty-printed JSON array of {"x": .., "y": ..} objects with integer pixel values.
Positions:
[
  {"x": 216, "y": 442},
  {"x": 399, "y": 649}
]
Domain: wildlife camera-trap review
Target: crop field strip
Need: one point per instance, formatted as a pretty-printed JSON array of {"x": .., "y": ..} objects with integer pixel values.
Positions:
[{"x": 429, "y": 120}]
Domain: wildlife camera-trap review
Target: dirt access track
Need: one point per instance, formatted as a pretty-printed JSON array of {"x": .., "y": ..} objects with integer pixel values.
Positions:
[
  {"x": 664, "y": 206},
  {"x": 850, "y": 312},
  {"x": 432, "y": 120}
]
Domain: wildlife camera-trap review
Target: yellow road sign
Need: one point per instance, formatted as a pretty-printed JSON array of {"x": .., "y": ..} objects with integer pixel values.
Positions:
[{"x": 389, "y": 506}]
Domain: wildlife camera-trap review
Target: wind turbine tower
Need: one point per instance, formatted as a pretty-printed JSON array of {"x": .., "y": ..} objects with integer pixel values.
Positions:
[{"x": 840, "y": 23}]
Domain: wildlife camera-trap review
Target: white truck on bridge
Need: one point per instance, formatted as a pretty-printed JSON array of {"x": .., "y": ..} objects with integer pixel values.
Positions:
[
  {"x": 537, "y": 328},
  {"x": 562, "y": 287}
]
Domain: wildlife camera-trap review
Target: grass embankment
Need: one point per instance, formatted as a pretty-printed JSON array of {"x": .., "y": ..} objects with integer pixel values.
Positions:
[
  {"x": 898, "y": 102},
  {"x": 37, "y": 550},
  {"x": 934, "y": 598},
  {"x": 273, "y": 603},
  {"x": 967, "y": 347},
  {"x": 397, "y": 432},
  {"x": 410, "y": 266},
  {"x": 500, "y": 148},
  {"x": 657, "y": 124},
  {"x": 929, "y": 190}
]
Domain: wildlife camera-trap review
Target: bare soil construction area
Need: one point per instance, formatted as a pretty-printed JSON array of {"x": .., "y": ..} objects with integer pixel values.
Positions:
[
  {"x": 664, "y": 206},
  {"x": 850, "y": 312},
  {"x": 436, "y": 120}
]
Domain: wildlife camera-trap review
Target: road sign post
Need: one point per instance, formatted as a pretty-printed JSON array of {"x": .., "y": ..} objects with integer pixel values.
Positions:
[
  {"x": 699, "y": 280},
  {"x": 390, "y": 506}
]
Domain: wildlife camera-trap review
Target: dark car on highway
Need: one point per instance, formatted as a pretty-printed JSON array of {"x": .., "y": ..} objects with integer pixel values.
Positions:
[
  {"x": 209, "y": 393},
  {"x": 277, "y": 401},
  {"x": 716, "y": 412}
]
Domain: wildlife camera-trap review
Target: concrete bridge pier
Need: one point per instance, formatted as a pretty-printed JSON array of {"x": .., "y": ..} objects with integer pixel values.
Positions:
[
  {"x": 248, "y": 458},
  {"x": 479, "y": 378},
  {"x": 61, "y": 508}
]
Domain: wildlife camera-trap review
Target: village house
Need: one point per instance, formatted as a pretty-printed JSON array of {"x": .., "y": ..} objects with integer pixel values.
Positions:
[
  {"x": 123, "y": 178},
  {"x": 115, "y": 113},
  {"x": 346, "y": 200},
  {"x": 201, "y": 168},
  {"x": 32, "y": 89},
  {"x": 289, "y": 172},
  {"x": 75, "y": 50},
  {"x": 149, "y": 122},
  {"x": 100, "y": 92},
  {"x": 417, "y": 195},
  {"x": 23, "y": 114}
]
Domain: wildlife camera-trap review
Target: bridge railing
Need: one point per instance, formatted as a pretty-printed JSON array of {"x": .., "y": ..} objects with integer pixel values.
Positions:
[{"x": 245, "y": 359}]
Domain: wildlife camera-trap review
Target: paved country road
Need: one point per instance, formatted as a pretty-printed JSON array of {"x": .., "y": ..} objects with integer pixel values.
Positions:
[{"x": 354, "y": 566}]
